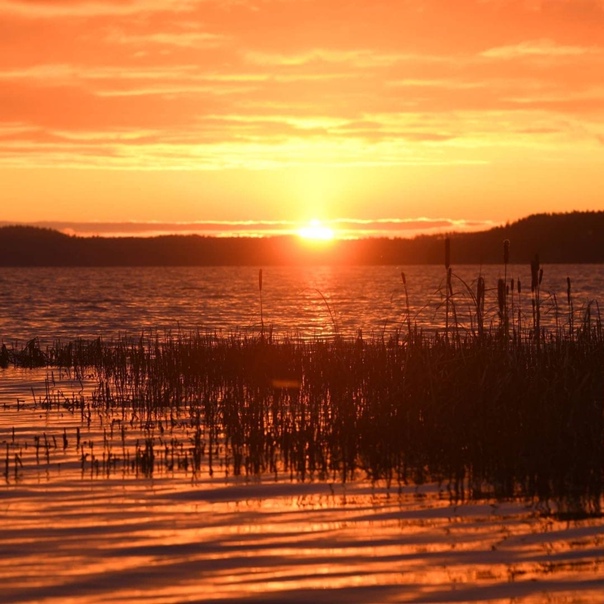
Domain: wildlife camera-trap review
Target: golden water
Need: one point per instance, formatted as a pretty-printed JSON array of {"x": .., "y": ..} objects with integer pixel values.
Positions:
[{"x": 87, "y": 533}]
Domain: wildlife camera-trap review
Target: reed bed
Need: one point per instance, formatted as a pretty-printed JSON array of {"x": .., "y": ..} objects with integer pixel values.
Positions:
[{"x": 499, "y": 406}]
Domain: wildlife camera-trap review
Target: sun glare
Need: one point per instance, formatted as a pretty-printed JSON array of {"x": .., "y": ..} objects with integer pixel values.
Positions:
[{"x": 316, "y": 231}]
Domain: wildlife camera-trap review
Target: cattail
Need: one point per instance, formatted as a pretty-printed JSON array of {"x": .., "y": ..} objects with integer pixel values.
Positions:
[
  {"x": 480, "y": 289},
  {"x": 261, "y": 309},
  {"x": 570, "y": 305},
  {"x": 407, "y": 302},
  {"x": 447, "y": 253},
  {"x": 535, "y": 272},
  {"x": 502, "y": 287},
  {"x": 536, "y": 278},
  {"x": 501, "y": 292}
]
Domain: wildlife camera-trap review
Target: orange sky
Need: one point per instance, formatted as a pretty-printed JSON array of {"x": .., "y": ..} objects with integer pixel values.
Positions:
[{"x": 394, "y": 115}]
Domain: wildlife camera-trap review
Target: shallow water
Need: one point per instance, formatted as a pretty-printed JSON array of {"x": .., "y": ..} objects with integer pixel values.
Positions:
[
  {"x": 164, "y": 542},
  {"x": 76, "y": 531}
]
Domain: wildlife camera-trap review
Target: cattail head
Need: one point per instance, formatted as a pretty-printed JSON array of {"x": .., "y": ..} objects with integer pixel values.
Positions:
[
  {"x": 568, "y": 289},
  {"x": 260, "y": 280},
  {"x": 447, "y": 253},
  {"x": 506, "y": 251},
  {"x": 404, "y": 278}
]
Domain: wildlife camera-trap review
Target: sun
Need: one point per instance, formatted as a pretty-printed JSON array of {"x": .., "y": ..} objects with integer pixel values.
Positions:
[{"x": 316, "y": 231}]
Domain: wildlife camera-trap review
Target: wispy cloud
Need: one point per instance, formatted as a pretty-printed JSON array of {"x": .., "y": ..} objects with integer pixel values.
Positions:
[
  {"x": 88, "y": 8},
  {"x": 343, "y": 227},
  {"x": 542, "y": 48},
  {"x": 218, "y": 85}
]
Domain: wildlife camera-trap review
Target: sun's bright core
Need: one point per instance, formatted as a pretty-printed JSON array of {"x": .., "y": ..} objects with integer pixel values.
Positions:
[{"x": 316, "y": 231}]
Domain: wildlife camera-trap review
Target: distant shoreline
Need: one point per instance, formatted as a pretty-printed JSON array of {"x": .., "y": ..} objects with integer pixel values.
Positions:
[{"x": 571, "y": 238}]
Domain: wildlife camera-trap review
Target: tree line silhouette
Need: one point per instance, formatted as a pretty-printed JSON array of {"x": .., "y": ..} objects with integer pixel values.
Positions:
[{"x": 574, "y": 237}]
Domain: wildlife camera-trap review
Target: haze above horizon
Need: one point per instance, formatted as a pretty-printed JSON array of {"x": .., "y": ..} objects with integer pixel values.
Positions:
[
  {"x": 321, "y": 230},
  {"x": 257, "y": 117}
]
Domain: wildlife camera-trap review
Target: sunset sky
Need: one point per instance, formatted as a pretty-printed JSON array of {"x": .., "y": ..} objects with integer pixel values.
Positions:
[{"x": 257, "y": 116}]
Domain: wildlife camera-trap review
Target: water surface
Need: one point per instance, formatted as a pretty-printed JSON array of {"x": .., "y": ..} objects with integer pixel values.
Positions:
[
  {"x": 67, "y": 303},
  {"x": 78, "y": 529}
]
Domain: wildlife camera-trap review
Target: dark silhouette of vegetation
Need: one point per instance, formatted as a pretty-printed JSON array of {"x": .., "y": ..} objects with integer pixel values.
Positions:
[
  {"x": 486, "y": 416},
  {"x": 509, "y": 410},
  {"x": 574, "y": 237}
]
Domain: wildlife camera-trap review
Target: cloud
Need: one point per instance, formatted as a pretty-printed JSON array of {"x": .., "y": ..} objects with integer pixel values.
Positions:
[
  {"x": 568, "y": 6},
  {"x": 541, "y": 48},
  {"x": 344, "y": 228},
  {"x": 87, "y": 8},
  {"x": 184, "y": 39},
  {"x": 355, "y": 58},
  {"x": 167, "y": 84}
]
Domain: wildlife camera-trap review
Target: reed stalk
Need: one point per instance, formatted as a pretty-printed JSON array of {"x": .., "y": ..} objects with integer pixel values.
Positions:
[
  {"x": 480, "y": 298},
  {"x": 505, "y": 311},
  {"x": 536, "y": 278},
  {"x": 571, "y": 312},
  {"x": 261, "y": 309},
  {"x": 407, "y": 306},
  {"x": 448, "y": 285}
]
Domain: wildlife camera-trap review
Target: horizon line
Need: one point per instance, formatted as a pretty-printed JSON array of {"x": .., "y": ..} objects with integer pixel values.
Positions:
[{"x": 343, "y": 228}]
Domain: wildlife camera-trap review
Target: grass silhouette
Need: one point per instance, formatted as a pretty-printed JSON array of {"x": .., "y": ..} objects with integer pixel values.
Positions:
[{"x": 505, "y": 408}]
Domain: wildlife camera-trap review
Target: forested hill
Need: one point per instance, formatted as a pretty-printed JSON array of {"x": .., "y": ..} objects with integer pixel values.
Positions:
[{"x": 576, "y": 237}]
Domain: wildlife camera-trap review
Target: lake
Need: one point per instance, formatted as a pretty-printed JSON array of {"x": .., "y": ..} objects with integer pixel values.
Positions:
[
  {"x": 67, "y": 303},
  {"x": 83, "y": 520}
]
